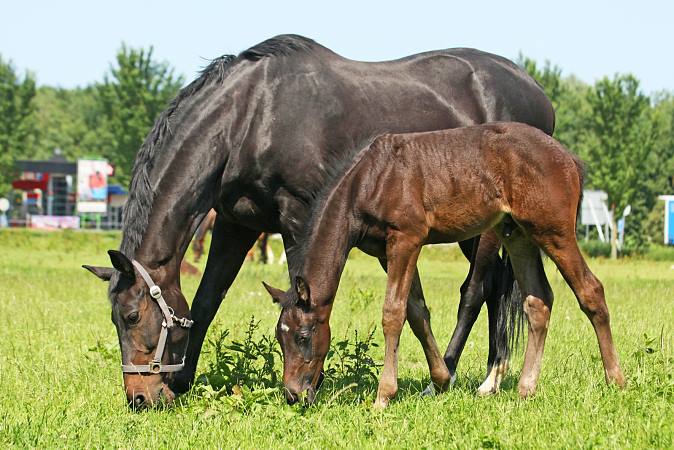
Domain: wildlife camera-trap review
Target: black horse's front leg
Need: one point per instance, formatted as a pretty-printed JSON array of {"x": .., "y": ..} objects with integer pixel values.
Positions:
[
  {"x": 480, "y": 285},
  {"x": 229, "y": 246}
]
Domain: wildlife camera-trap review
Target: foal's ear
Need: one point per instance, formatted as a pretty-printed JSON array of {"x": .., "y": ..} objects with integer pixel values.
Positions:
[
  {"x": 122, "y": 263},
  {"x": 302, "y": 288},
  {"x": 104, "y": 273},
  {"x": 277, "y": 295}
]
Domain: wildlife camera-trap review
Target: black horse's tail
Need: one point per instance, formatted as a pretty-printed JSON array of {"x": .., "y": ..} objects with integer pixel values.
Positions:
[{"x": 510, "y": 320}]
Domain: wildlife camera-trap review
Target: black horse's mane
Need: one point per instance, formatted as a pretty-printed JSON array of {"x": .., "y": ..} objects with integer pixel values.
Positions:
[
  {"x": 141, "y": 193},
  {"x": 283, "y": 45}
]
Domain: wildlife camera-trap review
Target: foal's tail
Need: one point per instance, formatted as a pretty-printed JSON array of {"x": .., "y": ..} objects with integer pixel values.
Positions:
[{"x": 510, "y": 321}]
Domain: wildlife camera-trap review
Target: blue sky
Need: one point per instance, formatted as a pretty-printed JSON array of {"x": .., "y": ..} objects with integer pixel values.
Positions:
[{"x": 71, "y": 43}]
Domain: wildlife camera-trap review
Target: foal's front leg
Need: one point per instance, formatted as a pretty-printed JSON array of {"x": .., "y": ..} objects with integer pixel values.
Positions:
[
  {"x": 419, "y": 319},
  {"x": 402, "y": 253}
]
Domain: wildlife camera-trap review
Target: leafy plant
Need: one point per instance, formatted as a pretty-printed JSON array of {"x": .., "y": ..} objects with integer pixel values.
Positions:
[
  {"x": 248, "y": 363},
  {"x": 350, "y": 363},
  {"x": 360, "y": 298}
]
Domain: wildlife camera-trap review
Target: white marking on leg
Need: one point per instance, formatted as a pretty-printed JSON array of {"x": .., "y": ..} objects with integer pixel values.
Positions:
[
  {"x": 493, "y": 382},
  {"x": 285, "y": 328}
]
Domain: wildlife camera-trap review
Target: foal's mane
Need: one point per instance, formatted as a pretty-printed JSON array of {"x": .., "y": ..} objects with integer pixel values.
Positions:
[
  {"x": 335, "y": 175},
  {"x": 141, "y": 193}
]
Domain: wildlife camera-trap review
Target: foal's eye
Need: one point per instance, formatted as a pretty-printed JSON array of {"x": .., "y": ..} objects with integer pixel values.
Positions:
[
  {"x": 302, "y": 338},
  {"x": 133, "y": 318}
]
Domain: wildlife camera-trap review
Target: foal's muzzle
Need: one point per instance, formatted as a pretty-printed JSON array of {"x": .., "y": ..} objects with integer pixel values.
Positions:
[{"x": 308, "y": 394}]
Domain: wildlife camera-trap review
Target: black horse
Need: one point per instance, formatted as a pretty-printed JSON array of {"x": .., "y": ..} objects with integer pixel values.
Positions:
[{"x": 256, "y": 136}]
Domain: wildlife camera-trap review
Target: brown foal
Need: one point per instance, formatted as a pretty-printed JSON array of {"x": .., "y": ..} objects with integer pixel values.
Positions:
[{"x": 408, "y": 190}]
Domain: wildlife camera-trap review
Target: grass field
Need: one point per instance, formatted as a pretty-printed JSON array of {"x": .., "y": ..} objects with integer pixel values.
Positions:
[{"x": 61, "y": 386}]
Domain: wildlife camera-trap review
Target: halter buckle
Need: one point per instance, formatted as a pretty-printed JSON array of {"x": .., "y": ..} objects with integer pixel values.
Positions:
[
  {"x": 155, "y": 292},
  {"x": 155, "y": 367},
  {"x": 185, "y": 322}
]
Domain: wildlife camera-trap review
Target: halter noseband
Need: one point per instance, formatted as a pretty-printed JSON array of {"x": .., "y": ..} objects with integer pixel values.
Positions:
[{"x": 170, "y": 319}]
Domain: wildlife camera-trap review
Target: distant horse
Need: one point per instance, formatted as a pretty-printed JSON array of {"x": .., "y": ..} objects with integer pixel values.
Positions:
[
  {"x": 408, "y": 190},
  {"x": 256, "y": 136},
  {"x": 204, "y": 227},
  {"x": 262, "y": 244}
]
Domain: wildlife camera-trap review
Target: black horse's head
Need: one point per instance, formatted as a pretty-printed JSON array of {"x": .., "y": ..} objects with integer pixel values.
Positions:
[{"x": 139, "y": 318}]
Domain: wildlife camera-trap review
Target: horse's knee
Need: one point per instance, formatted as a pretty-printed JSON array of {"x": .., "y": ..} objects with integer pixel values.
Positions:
[
  {"x": 537, "y": 311},
  {"x": 471, "y": 300},
  {"x": 393, "y": 318},
  {"x": 417, "y": 313},
  {"x": 592, "y": 301}
]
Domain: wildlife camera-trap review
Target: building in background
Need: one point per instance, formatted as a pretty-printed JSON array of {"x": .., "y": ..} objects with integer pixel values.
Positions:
[{"x": 57, "y": 193}]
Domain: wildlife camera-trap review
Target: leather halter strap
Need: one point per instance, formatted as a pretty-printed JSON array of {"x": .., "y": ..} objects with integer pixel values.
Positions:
[{"x": 170, "y": 319}]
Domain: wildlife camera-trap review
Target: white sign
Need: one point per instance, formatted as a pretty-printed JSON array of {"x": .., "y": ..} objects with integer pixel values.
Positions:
[
  {"x": 92, "y": 186},
  {"x": 4, "y": 205},
  {"x": 594, "y": 210},
  {"x": 54, "y": 222}
]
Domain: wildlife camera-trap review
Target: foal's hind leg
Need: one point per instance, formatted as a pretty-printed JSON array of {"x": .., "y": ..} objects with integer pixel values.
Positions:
[
  {"x": 563, "y": 250},
  {"x": 530, "y": 274}
]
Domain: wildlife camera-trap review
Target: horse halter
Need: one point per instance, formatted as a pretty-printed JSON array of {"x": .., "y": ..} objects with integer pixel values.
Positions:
[{"x": 170, "y": 320}]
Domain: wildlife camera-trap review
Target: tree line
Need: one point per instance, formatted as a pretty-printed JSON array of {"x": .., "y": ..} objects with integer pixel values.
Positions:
[{"x": 625, "y": 137}]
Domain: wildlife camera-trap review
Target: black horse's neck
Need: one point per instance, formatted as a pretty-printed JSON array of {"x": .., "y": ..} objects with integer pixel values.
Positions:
[{"x": 177, "y": 172}]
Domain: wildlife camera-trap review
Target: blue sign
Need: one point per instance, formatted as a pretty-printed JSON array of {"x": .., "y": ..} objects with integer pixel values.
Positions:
[{"x": 669, "y": 220}]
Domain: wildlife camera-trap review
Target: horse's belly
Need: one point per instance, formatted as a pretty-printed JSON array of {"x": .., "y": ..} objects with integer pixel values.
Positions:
[
  {"x": 248, "y": 213},
  {"x": 456, "y": 226}
]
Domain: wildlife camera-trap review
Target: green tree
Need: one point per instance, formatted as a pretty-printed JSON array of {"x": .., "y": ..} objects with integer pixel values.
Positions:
[
  {"x": 663, "y": 116},
  {"x": 133, "y": 94},
  {"x": 16, "y": 119},
  {"x": 68, "y": 119},
  {"x": 568, "y": 96},
  {"x": 619, "y": 143}
]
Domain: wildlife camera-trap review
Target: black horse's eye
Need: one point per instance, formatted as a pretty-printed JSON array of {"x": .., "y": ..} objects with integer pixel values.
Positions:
[{"x": 133, "y": 318}]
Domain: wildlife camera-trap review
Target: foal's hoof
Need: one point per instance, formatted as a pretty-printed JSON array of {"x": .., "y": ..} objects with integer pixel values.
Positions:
[
  {"x": 617, "y": 379},
  {"x": 380, "y": 404},
  {"x": 527, "y": 391}
]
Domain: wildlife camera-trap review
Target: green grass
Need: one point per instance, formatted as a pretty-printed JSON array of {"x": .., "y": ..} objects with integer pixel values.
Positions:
[{"x": 61, "y": 385}]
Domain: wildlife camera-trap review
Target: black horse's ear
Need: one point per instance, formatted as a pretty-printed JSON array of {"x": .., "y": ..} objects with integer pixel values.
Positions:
[
  {"x": 104, "y": 273},
  {"x": 303, "y": 292},
  {"x": 277, "y": 295},
  {"x": 122, "y": 263}
]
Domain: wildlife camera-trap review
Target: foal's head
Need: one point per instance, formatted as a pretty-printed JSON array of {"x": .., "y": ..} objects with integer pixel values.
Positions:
[
  {"x": 303, "y": 331},
  {"x": 138, "y": 319}
]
